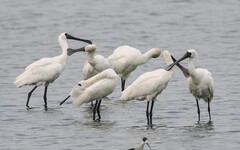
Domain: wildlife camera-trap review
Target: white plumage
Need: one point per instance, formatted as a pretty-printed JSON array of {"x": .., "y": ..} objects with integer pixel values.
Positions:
[
  {"x": 200, "y": 82},
  {"x": 94, "y": 88},
  {"x": 45, "y": 70},
  {"x": 94, "y": 63},
  {"x": 126, "y": 59},
  {"x": 149, "y": 85}
]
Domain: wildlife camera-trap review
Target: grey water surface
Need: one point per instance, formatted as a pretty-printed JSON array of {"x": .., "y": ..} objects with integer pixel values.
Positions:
[{"x": 29, "y": 31}]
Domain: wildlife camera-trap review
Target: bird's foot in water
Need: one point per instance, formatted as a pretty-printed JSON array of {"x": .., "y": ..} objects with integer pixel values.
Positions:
[
  {"x": 28, "y": 108},
  {"x": 149, "y": 126},
  {"x": 45, "y": 108},
  {"x": 97, "y": 120},
  {"x": 210, "y": 122}
]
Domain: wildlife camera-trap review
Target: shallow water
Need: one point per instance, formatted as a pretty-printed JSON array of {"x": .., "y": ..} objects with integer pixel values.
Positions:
[{"x": 29, "y": 31}]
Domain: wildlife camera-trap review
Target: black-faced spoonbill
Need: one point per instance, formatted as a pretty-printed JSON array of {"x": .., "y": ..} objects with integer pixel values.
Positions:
[
  {"x": 94, "y": 88},
  {"x": 200, "y": 82},
  {"x": 94, "y": 63},
  {"x": 126, "y": 59},
  {"x": 149, "y": 85},
  {"x": 46, "y": 70},
  {"x": 141, "y": 146}
]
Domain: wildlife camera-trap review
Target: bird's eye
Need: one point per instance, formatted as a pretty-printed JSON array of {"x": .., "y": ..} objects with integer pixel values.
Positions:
[
  {"x": 66, "y": 34},
  {"x": 79, "y": 84}
]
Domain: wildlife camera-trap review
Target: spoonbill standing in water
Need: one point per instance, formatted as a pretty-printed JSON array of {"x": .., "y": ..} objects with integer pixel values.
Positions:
[
  {"x": 126, "y": 59},
  {"x": 141, "y": 146},
  {"x": 94, "y": 63},
  {"x": 94, "y": 88},
  {"x": 200, "y": 82},
  {"x": 46, "y": 70},
  {"x": 149, "y": 85}
]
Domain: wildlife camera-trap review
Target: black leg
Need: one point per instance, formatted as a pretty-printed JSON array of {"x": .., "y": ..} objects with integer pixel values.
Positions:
[
  {"x": 198, "y": 110},
  {"x": 147, "y": 112},
  {"x": 123, "y": 83},
  {"x": 92, "y": 104},
  {"x": 151, "y": 114},
  {"x": 29, "y": 95},
  {"x": 45, "y": 97},
  {"x": 98, "y": 109},
  {"x": 209, "y": 113},
  {"x": 95, "y": 109}
]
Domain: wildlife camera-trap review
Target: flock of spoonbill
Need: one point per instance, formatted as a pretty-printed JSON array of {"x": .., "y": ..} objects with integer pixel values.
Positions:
[{"x": 100, "y": 76}]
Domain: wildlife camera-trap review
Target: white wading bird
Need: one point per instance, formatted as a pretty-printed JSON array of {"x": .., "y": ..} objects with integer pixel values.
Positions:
[
  {"x": 126, "y": 59},
  {"x": 141, "y": 146},
  {"x": 46, "y": 70},
  {"x": 94, "y": 64},
  {"x": 149, "y": 85},
  {"x": 200, "y": 82},
  {"x": 94, "y": 88}
]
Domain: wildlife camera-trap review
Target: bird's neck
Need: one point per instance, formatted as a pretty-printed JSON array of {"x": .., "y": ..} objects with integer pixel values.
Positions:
[
  {"x": 146, "y": 57},
  {"x": 64, "y": 45},
  {"x": 168, "y": 60},
  {"x": 64, "y": 55},
  {"x": 90, "y": 58},
  {"x": 191, "y": 65}
]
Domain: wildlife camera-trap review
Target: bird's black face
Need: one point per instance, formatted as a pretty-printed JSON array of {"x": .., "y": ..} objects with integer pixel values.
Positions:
[
  {"x": 68, "y": 36},
  {"x": 187, "y": 55}
]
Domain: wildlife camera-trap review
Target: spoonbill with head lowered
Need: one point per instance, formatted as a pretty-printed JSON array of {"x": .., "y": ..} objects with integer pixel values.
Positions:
[
  {"x": 94, "y": 88},
  {"x": 141, "y": 146},
  {"x": 149, "y": 85},
  {"x": 46, "y": 70},
  {"x": 200, "y": 82},
  {"x": 94, "y": 63},
  {"x": 126, "y": 59}
]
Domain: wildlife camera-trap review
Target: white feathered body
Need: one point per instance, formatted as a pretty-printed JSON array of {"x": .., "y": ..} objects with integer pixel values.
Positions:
[
  {"x": 42, "y": 72},
  {"x": 96, "y": 87},
  {"x": 94, "y": 66},
  {"x": 147, "y": 86},
  {"x": 200, "y": 84},
  {"x": 126, "y": 59}
]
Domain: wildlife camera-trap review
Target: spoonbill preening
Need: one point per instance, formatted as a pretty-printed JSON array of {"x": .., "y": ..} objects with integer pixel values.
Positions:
[
  {"x": 94, "y": 88},
  {"x": 126, "y": 59}
]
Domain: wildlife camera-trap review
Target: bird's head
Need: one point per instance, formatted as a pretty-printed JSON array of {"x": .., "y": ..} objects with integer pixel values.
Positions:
[
  {"x": 192, "y": 53},
  {"x": 145, "y": 141},
  {"x": 155, "y": 52}
]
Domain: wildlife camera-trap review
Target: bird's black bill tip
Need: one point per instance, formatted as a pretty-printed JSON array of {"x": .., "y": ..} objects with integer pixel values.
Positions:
[
  {"x": 71, "y": 51},
  {"x": 68, "y": 36},
  {"x": 64, "y": 100}
]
